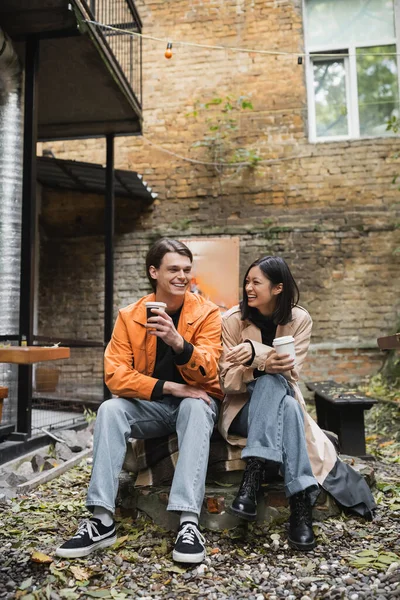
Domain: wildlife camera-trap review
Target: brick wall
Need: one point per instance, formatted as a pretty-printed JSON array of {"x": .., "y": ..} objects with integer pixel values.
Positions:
[{"x": 330, "y": 208}]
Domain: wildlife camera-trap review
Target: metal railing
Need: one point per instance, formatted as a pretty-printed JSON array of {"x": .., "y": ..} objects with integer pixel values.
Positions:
[{"x": 126, "y": 48}]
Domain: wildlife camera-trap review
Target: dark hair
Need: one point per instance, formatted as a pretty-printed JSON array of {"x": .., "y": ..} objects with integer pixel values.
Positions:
[
  {"x": 277, "y": 271},
  {"x": 159, "y": 250}
]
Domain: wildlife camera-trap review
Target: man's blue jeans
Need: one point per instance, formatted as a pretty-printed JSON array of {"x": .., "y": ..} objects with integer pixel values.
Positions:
[
  {"x": 119, "y": 419},
  {"x": 273, "y": 423}
]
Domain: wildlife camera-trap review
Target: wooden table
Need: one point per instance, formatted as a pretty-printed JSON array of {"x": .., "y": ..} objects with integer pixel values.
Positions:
[{"x": 27, "y": 355}]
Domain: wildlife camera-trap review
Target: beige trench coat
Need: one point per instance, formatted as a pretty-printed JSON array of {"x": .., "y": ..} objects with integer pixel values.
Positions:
[{"x": 235, "y": 377}]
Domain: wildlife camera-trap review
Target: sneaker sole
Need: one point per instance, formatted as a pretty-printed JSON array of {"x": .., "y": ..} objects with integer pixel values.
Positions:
[
  {"x": 79, "y": 552},
  {"x": 241, "y": 514},
  {"x": 188, "y": 558},
  {"x": 302, "y": 547}
]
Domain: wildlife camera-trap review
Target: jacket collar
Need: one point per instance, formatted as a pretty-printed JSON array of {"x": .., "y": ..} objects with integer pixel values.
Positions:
[{"x": 251, "y": 331}]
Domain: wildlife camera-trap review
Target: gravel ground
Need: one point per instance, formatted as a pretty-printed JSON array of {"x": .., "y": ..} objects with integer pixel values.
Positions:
[{"x": 353, "y": 560}]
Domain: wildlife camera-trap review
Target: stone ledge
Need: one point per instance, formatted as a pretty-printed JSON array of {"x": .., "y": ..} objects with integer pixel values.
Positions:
[{"x": 272, "y": 506}]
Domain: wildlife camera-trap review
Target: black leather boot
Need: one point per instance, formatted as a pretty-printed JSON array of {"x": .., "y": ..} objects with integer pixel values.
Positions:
[
  {"x": 301, "y": 535},
  {"x": 245, "y": 503}
]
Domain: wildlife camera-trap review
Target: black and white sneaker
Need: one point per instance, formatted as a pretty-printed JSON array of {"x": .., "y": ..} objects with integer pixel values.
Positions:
[
  {"x": 91, "y": 536},
  {"x": 189, "y": 544}
]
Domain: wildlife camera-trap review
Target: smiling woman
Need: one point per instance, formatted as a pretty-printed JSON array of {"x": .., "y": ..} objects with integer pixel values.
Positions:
[{"x": 264, "y": 410}]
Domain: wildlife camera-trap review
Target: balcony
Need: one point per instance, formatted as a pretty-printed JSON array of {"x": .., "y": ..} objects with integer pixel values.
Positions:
[
  {"x": 127, "y": 49},
  {"x": 89, "y": 77}
]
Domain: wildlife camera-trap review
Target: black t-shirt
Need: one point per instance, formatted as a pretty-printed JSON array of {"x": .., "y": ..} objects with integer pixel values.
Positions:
[
  {"x": 166, "y": 360},
  {"x": 268, "y": 328}
]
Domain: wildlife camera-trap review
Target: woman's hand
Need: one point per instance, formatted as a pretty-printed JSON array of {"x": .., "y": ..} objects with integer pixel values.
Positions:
[
  {"x": 278, "y": 363},
  {"x": 240, "y": 354}
]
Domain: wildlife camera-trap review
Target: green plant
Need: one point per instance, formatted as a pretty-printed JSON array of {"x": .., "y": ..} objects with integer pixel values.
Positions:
[
  {"x": 90, "y": 415},
  {"x": 182, "y": 224},
  {"x": 221, "y": 118}
]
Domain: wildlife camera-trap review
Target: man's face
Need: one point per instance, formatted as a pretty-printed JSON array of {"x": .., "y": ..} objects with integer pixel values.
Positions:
[{"x": 173, "y": 276}]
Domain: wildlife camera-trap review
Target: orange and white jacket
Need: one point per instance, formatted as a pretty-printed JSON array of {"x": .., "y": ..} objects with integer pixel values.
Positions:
[{"x": 130, "y": 356}]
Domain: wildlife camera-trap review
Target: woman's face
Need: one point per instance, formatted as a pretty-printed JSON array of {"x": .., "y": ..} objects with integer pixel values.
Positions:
[{"x": 261, "y": 292}]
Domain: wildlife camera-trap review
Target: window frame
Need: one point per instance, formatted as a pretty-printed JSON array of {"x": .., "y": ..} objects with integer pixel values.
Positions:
[{"x": 350, "y": 66}]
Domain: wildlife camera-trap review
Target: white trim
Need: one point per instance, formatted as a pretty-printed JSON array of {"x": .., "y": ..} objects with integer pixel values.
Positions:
[
  {"x": 397, "y": 32},
  {"x": 350, "y": 65},
  {"x": 336, "y": 47},
  {"x": 354, "y": 130},
  {"x": 312, "y": 110}
]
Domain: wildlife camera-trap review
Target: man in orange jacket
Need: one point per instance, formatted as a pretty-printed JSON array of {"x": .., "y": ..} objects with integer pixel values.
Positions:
[{"x": 165, "y": 373}]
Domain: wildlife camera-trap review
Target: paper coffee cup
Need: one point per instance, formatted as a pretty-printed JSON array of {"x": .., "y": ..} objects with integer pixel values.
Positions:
[
  {"x": 285, "y": 345},
  {"x": 150, "y": 305}
]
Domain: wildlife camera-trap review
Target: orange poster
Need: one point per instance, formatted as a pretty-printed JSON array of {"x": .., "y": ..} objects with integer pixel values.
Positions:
[{"x": 216, "y": 269}]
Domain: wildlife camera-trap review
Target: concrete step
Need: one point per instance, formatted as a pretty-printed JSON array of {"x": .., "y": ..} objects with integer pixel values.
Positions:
[{"x": 273, "y": 506}]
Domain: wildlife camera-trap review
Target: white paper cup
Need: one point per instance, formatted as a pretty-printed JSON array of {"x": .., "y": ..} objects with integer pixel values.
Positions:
[
  {"x": 285, "y": 345},
  {"x": 150, "y": 305}
]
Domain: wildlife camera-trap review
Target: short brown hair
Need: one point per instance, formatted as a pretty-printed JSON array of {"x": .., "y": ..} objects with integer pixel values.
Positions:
[{"x": 159, "y": 250}]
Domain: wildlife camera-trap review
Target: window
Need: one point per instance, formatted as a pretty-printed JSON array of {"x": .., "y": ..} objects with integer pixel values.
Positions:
[{"x": 352, "y": 76}]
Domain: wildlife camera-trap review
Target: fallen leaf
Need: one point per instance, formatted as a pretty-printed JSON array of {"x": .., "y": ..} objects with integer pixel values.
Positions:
[
  {"x": 79, "y": 573},
  {"x": 175, "y": 569},
  {"x": 98, "y": 594},
  {"x": 68, "y": 594},
  {"x": 120, "y": 541},
  {"x": 39, "y": 557},
  {"x": 388, "y": 443},
  {"x": 25, "y": 584},
  {"x": 215, "y": 551},
  {"x": 58, "y": 573}
]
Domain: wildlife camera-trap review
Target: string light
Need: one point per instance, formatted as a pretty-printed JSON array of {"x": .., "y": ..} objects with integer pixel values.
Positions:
[
  {"x": 264, "y": 161},
  {"x": 237, "y": 48},
  {"x": 168, "y": 52}
]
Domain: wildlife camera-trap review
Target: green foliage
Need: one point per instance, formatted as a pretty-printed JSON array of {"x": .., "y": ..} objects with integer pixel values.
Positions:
[
  {"x": 393, "y": 124},
  {"x": 90, "y": 415},
  {"x": 382, "y": 422},
  {"x": 182, "y": 224},
  {"x": 221, "y": 117}
]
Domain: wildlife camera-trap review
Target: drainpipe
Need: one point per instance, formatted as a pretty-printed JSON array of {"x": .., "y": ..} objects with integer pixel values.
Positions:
[
  {"x": 11, "y": 157},
  {"x": 11, "y": 140}
]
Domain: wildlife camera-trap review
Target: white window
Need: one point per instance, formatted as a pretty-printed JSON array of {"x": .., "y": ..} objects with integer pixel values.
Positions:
[{"x": 351, "y": 65}]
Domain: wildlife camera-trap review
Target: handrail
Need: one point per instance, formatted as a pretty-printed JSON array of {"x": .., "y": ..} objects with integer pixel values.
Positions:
[
  {"x": 72, "y": 343},
  {"x": 126, "y": 49}
]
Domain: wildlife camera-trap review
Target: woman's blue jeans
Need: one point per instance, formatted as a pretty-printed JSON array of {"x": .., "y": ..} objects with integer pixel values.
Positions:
[
  {"x": 119, "y": 419},
  {"x": 272, "y": 421}
]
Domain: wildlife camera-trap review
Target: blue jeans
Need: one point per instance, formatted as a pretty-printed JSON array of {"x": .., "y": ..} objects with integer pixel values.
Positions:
[
  {"x": 272, "y": 421},
  {"x": 119, "y": 419}
]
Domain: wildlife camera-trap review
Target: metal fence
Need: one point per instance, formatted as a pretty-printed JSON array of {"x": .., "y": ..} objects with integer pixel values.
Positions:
[
  {"x": 9, "y": 379},
  {"x": 63, "y": 389},
  {"x": 127, "y": 49}
]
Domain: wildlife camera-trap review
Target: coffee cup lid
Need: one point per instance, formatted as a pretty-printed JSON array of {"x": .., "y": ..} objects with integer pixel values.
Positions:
[
  {"x": 286, "y": 339},
  {"x": 156, "y": 304}
]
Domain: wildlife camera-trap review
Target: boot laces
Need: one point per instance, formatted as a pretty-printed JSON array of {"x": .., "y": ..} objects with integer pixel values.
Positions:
[
  {"x": 251, "y": 478},
  {"x": 301, "y": 509}
]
